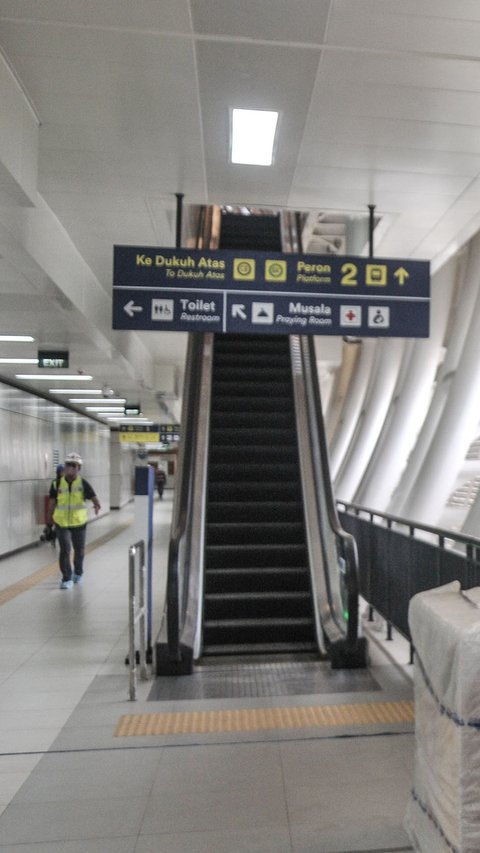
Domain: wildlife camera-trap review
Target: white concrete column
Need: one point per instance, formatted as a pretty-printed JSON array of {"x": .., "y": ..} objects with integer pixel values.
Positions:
[
  {"x": 457, "y": 421},
  {"x": 466, "y": 283},
  {"x": 411, "y": 400},
  {"x": 383, "y": 377},
  {"x": 352, "y": 405},
  {"x": 471, "y": 525}
]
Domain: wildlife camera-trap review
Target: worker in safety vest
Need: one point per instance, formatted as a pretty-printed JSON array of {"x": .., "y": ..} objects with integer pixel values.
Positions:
[{"x": 68, "y": 510}]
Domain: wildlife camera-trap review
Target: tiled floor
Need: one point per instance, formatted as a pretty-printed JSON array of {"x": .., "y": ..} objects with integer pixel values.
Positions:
[{"x": 69, "y": 785}]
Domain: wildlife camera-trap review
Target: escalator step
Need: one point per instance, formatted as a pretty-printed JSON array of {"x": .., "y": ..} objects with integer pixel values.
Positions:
[
  {"x": 232, "y": 472},
  {"x": 258, "y": 605},
  {"x": 248, "y": 388},
  {"x": 277, "y": 403},
  {"x": 237, "y": 342},
  {"x": 255, "y": 231},
  {"x": 255, "y": 358},
  {"x": 267, "y": 490},
  {"x": 242, "y": 511},
  {"x": 255, "y": 555},
  {"x": 292, "y": 647},
  {"x": 259, "y": 533},
  {"x": 242, "y": 420},
  {"x": 218, "y": 631},
  {"x": 258, "y": 578},
  {"x": 254, "y": 454},
  {"x": 261, "y": 373},
  {"x": 251, "y": 438}
]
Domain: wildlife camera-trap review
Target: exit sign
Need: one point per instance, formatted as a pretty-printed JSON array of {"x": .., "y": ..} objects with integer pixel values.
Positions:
[{"x": 52, "y": 358}]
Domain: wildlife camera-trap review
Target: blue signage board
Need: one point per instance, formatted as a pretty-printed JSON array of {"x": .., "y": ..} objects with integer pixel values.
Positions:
[
  {"x": 156, "y": 289},
  {"x": 169, "y": 433}
]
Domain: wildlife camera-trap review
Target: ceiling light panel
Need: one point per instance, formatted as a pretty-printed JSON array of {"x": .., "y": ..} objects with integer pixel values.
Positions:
[
  {"x": 110, "y": 402},
  {"x": 74, "y": 391},
  {"x": 18, "y": 338},
  {"x": 253, "y": 137},
  {"x": 105, "y": 409},
  {"x": 53, "y": 378},
  {"x": 18, "y": 360}
]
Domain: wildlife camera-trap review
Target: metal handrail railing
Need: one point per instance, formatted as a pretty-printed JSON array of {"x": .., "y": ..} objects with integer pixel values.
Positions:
[
  {"x": 137, "y": 615},
  {"x": 182, "y": 494},
  {"x": 178, "y": 639},
  {"x": 399, "y": 557},
  {"x": 339, "y": 549},
  {"x": 345, "y": 542},
  {"x": 442, "y": 534}
]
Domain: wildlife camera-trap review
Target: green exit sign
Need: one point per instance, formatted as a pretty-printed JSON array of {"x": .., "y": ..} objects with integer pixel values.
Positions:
[{"x": 52, "y": 358}]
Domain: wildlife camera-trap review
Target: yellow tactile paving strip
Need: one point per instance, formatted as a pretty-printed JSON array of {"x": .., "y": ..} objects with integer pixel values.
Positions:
[
  {"x": 256, "y": 719},
  {"x": 42, "y": 574}
]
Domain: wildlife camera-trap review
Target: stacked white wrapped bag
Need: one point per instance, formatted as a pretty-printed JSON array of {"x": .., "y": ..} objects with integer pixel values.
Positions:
[{"x": 443, "y": 813}]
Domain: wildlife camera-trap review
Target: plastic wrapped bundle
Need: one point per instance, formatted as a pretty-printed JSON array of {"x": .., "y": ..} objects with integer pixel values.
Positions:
[{"x": 443, "y": 813}]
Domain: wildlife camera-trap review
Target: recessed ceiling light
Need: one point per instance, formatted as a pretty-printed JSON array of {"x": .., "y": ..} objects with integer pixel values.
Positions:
[
  {"x": 253, "y": 136},
  {"x": 111, "y": 401},
  {"x": 74, "y": 377},
  {"x": 19, "y": 338},
  {"x": 130, "y": 420},
  {"x": 74, "y": 391},
  {"x": 18, "y": 360},
  {"x": 103, "y": 409}
]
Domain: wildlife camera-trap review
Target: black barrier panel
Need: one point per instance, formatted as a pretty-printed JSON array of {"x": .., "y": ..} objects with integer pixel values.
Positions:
[
  {"x": 455, "y": 566},
  {"x": 425, "y": 566},
  {"x": 473, "y": 559},
  {"x": 402, "y": 571},
  {"x": 380, "y": 570},
  {"x": 360, "y": 529},
  {"x": 394, "y": 566}
]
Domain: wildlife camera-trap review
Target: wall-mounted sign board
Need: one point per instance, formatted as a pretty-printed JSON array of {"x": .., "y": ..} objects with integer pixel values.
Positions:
[{"x": 140, "y": 434}]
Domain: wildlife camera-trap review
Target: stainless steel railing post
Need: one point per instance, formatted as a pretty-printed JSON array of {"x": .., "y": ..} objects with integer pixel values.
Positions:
[{"x": 136, "y": 615}]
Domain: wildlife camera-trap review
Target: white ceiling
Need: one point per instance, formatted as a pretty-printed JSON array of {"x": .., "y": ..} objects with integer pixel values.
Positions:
[{"x": 379, "y": 103}]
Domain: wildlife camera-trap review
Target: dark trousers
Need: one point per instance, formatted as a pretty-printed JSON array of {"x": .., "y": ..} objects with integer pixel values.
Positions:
[{"x": 67, "y": 538}]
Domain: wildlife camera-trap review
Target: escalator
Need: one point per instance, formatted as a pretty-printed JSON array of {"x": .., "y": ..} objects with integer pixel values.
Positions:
[
  {"x": 258, "y": 596},
  {"x": 258, "y": 563}
]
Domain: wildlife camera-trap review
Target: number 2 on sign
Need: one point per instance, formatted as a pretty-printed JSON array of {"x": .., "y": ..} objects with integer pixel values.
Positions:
[{"x": 349, "y": 277}]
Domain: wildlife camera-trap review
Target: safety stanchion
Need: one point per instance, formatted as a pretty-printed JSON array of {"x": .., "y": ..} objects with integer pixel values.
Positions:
[
  {"x": 144, "y": 490},
  {"x": 137, "y": 615}
]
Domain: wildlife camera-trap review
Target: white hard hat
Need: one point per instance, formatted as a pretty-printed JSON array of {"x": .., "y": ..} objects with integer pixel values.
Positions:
[{"x": 73, "y": 457}]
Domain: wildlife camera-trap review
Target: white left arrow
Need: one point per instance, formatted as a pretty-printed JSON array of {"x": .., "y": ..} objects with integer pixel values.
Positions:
[{"x": 130, "y": 308}]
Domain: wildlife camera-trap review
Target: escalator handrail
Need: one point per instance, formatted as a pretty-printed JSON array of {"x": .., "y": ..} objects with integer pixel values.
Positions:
[
  {"x": 346, "y": 542},
  {"x": 183, "y": 491}
]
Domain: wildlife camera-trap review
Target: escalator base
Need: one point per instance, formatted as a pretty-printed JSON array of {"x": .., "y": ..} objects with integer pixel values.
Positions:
[
  {"x": 345, "y": 656},
  {"x": 259, "y": 649}
]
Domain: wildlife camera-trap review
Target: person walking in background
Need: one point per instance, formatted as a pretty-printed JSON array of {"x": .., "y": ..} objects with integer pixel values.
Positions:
[
  {"x": 161, "y": 479},
  {"x": 68, "y": 511}
]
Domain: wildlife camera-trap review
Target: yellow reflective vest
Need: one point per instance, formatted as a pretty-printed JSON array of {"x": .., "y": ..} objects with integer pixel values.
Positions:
[{"x": 71, "y": 509}]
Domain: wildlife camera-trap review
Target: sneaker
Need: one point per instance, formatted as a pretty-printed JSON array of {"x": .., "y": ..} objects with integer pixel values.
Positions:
[
  {"x": 66, "y": 584},
  {"x": 77, "y": 578}
]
